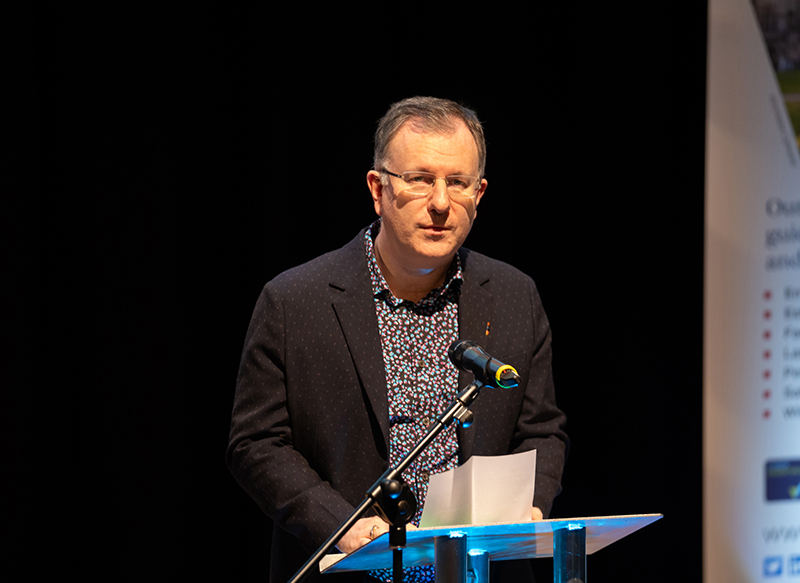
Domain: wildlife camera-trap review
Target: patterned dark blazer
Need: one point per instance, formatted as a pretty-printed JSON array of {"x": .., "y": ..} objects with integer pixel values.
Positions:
[{"x": 310, "y": 425}]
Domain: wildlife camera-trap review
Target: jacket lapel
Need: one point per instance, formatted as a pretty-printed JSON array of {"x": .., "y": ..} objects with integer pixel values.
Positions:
[
  {"x": 355, "y": 310},
  {"x": 475, "y": 309}
]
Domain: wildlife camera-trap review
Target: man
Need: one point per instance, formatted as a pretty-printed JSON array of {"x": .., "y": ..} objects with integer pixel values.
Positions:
[{"x": 345, "y": 359}]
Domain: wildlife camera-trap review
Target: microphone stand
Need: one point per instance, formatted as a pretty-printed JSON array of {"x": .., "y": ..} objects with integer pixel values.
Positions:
[{"x": 389, "y": 489}]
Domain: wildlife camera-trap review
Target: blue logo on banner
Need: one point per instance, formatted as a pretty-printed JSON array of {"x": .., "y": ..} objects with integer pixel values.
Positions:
[
  {"x": 783, "y": 479},
  {"x": 773, "y": 566}
]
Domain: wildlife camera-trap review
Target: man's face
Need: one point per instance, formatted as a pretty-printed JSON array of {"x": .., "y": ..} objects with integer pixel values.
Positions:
[{"x": 423, "y": 233}]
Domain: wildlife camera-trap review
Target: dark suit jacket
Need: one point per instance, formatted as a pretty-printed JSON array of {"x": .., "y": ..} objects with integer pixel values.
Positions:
[{"x": 310, "y": 424}]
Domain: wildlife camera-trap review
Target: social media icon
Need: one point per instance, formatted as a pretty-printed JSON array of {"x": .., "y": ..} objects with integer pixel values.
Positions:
[
  {"x": 794, "y": 565},
  {"x": 773, "y": 566}
]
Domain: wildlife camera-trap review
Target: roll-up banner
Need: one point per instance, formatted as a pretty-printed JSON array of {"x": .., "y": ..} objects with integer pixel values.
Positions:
[{"x": 751, "y": 522}]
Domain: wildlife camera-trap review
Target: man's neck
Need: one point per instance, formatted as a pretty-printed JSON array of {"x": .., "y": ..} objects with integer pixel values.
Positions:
[{"x": 406, "y": 284}]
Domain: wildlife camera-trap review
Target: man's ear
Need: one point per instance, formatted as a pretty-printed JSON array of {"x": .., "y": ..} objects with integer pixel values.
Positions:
[
  {"x": 376, "y": 189},
  {"x": 479, "y": 195}
]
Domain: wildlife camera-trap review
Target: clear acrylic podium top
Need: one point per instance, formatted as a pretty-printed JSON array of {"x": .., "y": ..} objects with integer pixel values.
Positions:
[{"x": 525, "y": 540}]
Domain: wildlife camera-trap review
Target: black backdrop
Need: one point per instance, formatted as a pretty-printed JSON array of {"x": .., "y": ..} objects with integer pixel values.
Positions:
[{"x": 211, "y": 151}]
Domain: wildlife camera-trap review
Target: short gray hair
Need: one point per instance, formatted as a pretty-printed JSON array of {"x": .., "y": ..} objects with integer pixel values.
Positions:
[{"x": 430, "y": 114}]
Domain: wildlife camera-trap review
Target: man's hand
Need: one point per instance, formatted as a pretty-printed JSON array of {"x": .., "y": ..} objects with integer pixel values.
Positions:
[
  {"x": 364, "y": 531},
  {"x": 536, "y": 514},
  {"x": 361, "y": 533}
]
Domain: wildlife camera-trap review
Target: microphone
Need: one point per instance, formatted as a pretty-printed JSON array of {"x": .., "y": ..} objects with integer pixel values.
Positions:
[{"x": 470, "y": 357}]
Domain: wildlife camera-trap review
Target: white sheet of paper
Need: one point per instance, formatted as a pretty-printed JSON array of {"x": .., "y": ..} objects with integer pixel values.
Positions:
[{"x": 485, "y": 490}]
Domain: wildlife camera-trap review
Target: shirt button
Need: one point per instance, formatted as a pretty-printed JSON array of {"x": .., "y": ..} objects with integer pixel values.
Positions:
[
  {"x": 426, "y": 421},
  {"x": 424, "y": 476}
]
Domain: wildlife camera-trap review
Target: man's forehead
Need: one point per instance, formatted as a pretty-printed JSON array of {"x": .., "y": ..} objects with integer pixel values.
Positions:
[
  {"x": 415, "y": 130},
  {"x": 445, "y": 127}
]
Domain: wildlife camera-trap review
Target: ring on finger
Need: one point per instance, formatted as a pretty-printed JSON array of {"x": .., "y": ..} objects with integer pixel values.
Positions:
[{"x": 372, "y": 531}]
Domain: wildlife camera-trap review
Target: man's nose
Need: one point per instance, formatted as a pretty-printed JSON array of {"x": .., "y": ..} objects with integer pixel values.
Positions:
[{"x": 439, "y": 198}]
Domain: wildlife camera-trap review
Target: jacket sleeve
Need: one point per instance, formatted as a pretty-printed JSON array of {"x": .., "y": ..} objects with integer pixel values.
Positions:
[
  {"x": 541, "y": 423},
  {"x": 261, "y": 453}
]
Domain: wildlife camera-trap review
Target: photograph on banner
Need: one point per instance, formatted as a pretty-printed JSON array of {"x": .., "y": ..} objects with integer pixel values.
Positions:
[{"x": 780, "y": 24}]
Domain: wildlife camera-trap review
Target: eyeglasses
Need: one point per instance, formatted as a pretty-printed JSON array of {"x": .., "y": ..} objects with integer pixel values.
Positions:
[{"x": 421, "y": 183}]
